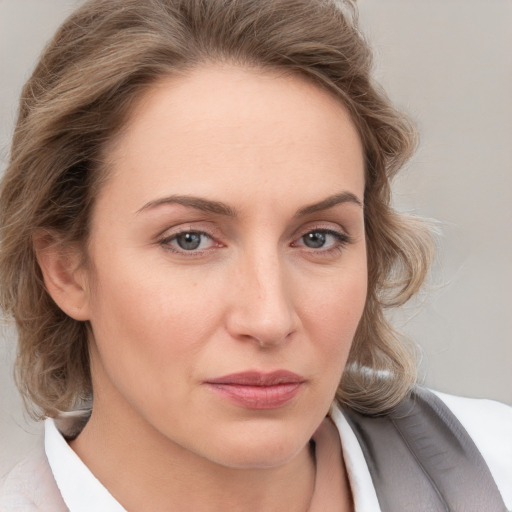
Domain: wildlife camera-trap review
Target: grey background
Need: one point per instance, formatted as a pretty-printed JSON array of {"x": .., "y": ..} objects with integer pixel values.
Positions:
[{"x": 449, "y": 64}]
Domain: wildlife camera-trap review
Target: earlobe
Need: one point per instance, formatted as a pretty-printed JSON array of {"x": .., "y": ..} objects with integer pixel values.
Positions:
[{"x": 63, "y": 273}]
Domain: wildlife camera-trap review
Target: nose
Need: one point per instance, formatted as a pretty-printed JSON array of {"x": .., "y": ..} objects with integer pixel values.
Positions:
[{"x": 261, "y": 306}]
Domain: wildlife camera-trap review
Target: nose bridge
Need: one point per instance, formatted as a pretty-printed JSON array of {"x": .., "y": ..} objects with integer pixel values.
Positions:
[{"x": 263, "y": 307}]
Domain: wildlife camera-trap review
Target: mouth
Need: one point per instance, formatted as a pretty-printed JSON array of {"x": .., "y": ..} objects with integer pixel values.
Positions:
[{"x": 258, "y": 390}]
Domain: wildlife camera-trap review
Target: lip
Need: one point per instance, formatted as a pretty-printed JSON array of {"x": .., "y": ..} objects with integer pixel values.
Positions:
[{"x": 258, "y": 390}]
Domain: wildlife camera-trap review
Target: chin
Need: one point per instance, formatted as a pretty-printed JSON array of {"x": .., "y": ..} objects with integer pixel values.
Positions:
[
  {"x": 257, "y": 458},
  {"x": 258, "y": 448}
]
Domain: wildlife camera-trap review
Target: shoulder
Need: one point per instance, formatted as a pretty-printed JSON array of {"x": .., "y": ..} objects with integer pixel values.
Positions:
[
  {"x": 489, "y": 424},
  {"x": 479, "y": 415},
  {"x": 434, "y": 420},
  {"x": 30, "y": 487}
]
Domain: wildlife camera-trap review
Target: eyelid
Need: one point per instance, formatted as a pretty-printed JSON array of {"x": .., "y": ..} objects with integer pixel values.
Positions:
[
  {"x": 331, "y": 228},
  {"x": 204, "y": 227},
  {"x": 342, "y": 239},
  {"x": 169, "y": 235}
]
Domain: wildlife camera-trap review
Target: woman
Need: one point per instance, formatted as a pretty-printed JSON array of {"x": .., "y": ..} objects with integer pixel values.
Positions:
[{"x": 197, "y": 247}]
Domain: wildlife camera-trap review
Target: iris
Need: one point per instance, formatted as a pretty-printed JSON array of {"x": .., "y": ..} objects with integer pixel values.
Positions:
[{"x": 314, "y": 240}]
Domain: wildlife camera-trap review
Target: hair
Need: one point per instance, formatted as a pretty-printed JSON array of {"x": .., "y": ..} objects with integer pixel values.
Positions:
[{"x": 100, "y": 61}]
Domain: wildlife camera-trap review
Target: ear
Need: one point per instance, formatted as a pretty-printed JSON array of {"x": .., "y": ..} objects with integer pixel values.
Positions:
[{"x": 65, "y": 277}]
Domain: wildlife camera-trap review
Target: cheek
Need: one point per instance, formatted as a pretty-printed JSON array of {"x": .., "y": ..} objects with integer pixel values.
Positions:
[
  {"x": 148, "y": 323},
  {"x": 147, "y": 296},
  {"x": 332, "y": 314},
  {"x": 337, "y": 305}
]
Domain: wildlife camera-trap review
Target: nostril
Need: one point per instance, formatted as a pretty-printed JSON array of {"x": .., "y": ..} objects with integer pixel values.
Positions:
[
  {"x": 263, "y": 327},
  {"x": 261, "y": 306}
]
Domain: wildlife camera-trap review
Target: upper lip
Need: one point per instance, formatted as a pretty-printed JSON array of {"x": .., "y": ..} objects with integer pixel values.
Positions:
[{"x": 256, "y": 378}]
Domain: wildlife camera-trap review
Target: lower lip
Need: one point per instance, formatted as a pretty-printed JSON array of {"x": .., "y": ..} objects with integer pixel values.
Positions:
[{"x": 258, "y": 397}]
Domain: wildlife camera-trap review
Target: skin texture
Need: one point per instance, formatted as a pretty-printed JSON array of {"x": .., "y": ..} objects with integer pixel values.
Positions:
[{"x": 253, "y": 295}]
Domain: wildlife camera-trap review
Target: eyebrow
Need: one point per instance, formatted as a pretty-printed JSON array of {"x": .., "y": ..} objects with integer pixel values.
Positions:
[
  {"x": 330, "y": 202},
  {"x": 220, "y": 208},
  {"x": 198, "y": 203}
]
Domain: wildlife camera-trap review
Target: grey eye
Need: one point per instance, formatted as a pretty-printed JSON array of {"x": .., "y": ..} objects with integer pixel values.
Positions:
[
  {"x": 315, "y": 239},
  {"x": 189, "y": 241}
]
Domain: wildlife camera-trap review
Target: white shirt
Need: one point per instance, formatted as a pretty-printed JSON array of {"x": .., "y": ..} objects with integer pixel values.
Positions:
[{"x": 489, "y": 424}]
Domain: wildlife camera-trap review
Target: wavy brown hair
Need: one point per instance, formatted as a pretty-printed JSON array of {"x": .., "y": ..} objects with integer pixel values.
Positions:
[{"x": 90, "y": 75}]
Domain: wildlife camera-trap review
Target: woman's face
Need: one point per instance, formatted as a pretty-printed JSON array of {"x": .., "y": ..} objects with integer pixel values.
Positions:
[{"x": 227, "y": 267}]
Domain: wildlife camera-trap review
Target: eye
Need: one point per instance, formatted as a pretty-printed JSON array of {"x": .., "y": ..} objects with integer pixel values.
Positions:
[
  {"x": 188, "y": 241},
  {"x": 315, "y": 239},
  {"x": 325, "y": 239}
]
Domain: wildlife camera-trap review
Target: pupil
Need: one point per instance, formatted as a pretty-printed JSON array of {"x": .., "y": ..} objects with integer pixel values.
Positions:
[
  {"x": 189, "y": 241},
  {"x": 314, "y": 240}
]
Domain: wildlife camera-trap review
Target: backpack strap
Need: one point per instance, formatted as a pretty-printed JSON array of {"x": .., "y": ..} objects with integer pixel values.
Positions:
[{"x": 421, "y": 459}]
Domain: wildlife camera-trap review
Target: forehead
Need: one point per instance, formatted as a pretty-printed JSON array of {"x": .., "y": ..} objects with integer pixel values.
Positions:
[{"x": 219, "y": 126}]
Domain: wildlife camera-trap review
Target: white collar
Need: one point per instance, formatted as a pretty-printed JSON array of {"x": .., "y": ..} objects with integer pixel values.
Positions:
[
  {"x": 83, "y": 492},
  {"x": 361, "y": 484},
  {"x": 80, "y": 489}
]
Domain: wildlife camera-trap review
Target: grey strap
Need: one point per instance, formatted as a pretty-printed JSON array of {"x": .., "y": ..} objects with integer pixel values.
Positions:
[{"x": 421, "y": 459}]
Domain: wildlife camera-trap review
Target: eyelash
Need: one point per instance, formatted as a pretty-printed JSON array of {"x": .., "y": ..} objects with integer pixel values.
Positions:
[
  {"x": 166, "y": 243},
  {"x": 342, "y": 240}
]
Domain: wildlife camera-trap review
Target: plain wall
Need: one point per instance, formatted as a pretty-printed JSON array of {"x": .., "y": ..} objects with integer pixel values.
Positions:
[{"x": 448, "y": 64}]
